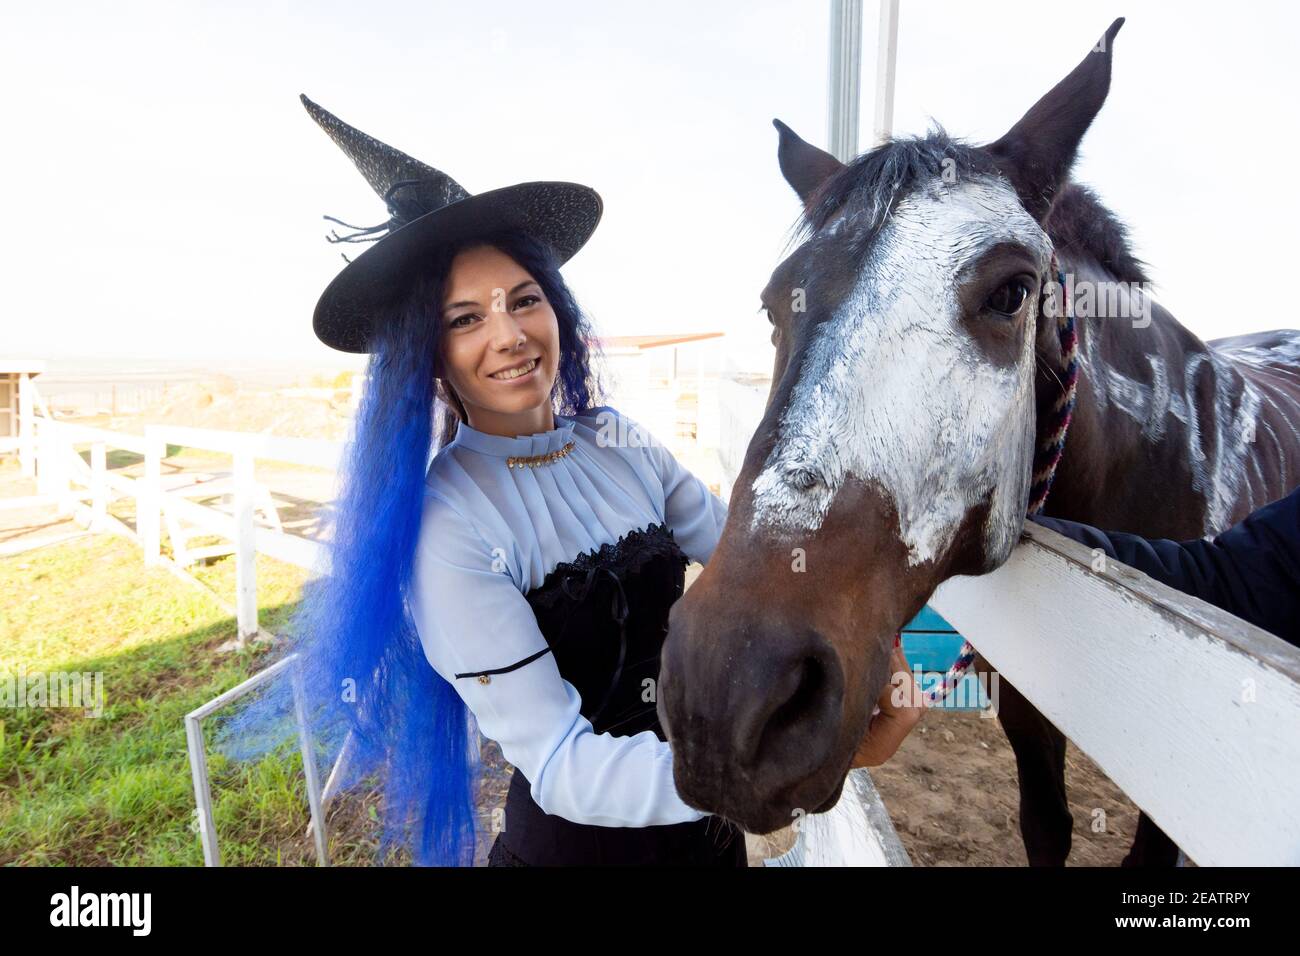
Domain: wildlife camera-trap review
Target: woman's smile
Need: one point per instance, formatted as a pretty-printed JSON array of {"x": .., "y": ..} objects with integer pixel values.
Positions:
[{"x": 520, "y": 372}]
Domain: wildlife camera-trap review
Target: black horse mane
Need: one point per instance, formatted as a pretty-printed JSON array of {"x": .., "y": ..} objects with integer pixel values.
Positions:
[
  {"x": 876, "y": 180},
  {"x": 1079, "y": 223}
]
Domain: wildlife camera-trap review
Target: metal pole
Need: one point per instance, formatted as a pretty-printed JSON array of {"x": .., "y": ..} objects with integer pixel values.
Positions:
[
  {"x": 202, "y": 790},
  {"x": 886, "y": 63},
  {"x": 312, "y": 781},
  {"x": 845, "y": 77},
  {"x": 199, "y": 759}
]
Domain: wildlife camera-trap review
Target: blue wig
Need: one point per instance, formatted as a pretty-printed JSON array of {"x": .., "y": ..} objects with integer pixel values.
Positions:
[{"x": 363, "y": 668}]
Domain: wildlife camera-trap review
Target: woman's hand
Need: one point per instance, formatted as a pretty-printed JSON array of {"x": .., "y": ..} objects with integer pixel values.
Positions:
[{"x": 887, "y": 729}]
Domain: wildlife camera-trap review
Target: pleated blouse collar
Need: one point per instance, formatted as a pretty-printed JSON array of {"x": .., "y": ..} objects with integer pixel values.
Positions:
[{"x": 501, "y": 446}]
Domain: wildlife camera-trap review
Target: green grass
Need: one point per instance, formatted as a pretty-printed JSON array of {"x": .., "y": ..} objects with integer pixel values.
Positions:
[{"x": 116, "y": 789}]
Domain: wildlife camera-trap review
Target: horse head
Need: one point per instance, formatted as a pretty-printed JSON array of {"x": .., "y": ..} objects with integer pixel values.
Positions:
[{"x": 895, "y": 450}]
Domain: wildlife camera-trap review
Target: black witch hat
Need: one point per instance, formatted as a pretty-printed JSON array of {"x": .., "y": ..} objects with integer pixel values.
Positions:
[{"x": 426, "y": 207}]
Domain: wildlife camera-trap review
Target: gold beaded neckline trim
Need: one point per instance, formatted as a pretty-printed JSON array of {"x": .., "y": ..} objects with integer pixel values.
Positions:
[{"x": 533, "y": 461}]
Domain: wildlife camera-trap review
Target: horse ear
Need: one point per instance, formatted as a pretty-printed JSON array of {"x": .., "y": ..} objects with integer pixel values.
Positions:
[
  {"x": 804, "y": 166},
  {"x": 1037, "y": 153}
]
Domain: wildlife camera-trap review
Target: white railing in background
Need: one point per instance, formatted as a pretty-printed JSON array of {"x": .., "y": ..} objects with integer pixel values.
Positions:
[{"x": 65, "y": 479}]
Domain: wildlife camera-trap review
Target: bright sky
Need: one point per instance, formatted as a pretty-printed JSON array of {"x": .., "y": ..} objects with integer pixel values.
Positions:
[{"x": 164, "y": 187}]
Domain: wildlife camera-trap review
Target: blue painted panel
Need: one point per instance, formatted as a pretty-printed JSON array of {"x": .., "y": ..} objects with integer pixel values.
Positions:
[
  {"x": 931, "y": 643},
  {"x": 928, "y": 620}
]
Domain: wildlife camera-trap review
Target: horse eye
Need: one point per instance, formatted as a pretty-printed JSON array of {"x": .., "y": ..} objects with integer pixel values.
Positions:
[
  {"x": 1009, "y": 297},
  {"x": 803, "y": 479}
]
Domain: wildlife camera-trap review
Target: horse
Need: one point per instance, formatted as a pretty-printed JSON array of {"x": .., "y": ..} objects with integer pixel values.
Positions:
[{"x": 917, "y": 368}]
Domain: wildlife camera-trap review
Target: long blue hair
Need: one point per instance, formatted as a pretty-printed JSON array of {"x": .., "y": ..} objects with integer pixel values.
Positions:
[{"x": 363, "y": 669}]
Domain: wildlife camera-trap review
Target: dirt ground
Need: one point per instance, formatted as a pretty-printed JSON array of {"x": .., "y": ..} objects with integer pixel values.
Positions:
[{"x": 950, "y": 790}]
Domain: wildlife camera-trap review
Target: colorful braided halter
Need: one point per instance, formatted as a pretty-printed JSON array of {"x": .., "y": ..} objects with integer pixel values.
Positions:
[{"x": 1046, "y": 458}]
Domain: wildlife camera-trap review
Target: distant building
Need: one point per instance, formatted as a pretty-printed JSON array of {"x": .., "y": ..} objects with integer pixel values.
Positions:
[
  {"x": 17, "y": 401},
  {"x": 667, "y": 383}
]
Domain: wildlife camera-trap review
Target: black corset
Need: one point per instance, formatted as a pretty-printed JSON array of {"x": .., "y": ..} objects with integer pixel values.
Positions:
[{"x": 604, "y": 616}]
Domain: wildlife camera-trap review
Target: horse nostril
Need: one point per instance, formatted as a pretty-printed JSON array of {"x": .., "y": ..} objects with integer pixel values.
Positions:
[
  {"x": 796, "y": 725},
  {"x": 812, "y": 681}
]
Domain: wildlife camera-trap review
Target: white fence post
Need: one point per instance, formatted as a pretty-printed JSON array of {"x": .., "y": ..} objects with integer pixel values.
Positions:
[
  {"x": 26, "y": 425},
  {"x": 148, "y": 500},
  {"x": 245, "y": 547},
  {"x": 44, "y": 459},
  {"x": 60, "y": 479},
  {"x": 99, "y": 485}
]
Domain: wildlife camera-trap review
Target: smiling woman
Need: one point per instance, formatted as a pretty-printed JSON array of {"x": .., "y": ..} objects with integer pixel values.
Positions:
[
  {"x": 501, "y": 348},
  {"x": 520, "y": 570}
]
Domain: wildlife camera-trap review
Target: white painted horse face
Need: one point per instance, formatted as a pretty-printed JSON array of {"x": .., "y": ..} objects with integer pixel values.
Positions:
[{"x": 919, "y": 379}]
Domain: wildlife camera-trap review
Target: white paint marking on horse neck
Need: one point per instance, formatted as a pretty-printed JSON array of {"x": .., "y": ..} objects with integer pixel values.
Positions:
[
  {"x": 893, "y": 391},
  {"x": 1220, "y": 480}
]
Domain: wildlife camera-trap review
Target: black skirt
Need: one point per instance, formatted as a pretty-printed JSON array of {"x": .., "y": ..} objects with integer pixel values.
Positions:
[{"x": 604, "y": 616}]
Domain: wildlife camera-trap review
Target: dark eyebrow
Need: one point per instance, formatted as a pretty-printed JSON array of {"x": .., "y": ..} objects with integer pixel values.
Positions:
[{"x": 526, "y": 282}]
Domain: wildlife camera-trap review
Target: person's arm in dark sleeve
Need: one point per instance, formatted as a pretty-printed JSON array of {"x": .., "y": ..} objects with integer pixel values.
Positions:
[{"x": 1252, "y": 570}]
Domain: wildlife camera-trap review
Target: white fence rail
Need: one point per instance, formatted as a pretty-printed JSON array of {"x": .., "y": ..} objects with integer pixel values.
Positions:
[
  {"x": 1194, "y": 713},
  {"x": 85, "y": 490}
]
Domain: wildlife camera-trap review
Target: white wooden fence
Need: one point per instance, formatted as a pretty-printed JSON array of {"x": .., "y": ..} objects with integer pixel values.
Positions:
[
  {"x": 85, "y": 491},
  {"x": 1192, "y": 712}
]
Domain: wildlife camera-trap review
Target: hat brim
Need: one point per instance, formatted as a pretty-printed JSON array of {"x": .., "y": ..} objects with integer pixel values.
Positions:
[{"x": 563, "y": 215}]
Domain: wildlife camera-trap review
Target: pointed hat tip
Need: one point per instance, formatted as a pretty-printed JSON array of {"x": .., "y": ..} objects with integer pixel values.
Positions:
[{"x": 317, "y": 112}]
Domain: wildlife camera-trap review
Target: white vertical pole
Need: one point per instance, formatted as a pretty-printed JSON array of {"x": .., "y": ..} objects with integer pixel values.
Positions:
[
  {"x": 845, "y": 77},
  {"x": 886, "y": 63},
  {"x": 148, "y": 501},
  {"x": 202, "y": 790},
  {"x": 26, "y": 425},
  {"x": 60, "y": 481},
  {"x": 245, "y": 548},
  {"x": 309, "y": 769},
  {"x": 44, "y": 458},
  {"x": 99, "y": 485}
]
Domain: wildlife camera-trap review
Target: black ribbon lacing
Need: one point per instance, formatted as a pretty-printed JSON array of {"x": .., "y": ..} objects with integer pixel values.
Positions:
[
  {"x": 372, "y": 233},
  {"x": 618, "y": 610}
]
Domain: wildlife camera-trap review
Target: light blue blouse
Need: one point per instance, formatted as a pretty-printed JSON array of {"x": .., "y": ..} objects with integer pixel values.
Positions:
[{"x": 490, "y": 534}]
